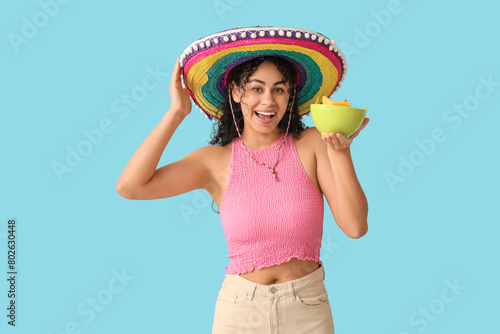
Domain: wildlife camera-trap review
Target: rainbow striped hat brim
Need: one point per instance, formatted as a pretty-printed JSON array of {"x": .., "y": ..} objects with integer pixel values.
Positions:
[{"x": 320, "y": 64}]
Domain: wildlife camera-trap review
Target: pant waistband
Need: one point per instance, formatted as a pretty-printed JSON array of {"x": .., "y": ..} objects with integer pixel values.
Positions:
[{"x": 238, "y": 284}]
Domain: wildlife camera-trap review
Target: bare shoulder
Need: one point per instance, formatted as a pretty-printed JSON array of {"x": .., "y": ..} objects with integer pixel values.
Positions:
[
  {"x": 214, "y": 153},
  {"x": 311, "y": 138},
  {"x": 210, "y": 155},
  {"x": 306, "y": 147},
  {"x": 217, "y": 160},
  {"x": 318, "y": 149},
  {"x": 314, "y": 138},
  {"x": 310, "y": 132}
]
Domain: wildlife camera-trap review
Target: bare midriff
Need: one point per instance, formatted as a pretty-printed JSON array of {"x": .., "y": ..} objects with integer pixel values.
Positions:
[{"x": 281, "y": 273}]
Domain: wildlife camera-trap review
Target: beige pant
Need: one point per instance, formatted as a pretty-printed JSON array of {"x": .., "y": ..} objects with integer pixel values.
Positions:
[{"x": 300, "y": 306}]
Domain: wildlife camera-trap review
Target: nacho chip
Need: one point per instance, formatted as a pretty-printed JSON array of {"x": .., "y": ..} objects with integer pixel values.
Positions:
[{"x": 327, "y": 101}]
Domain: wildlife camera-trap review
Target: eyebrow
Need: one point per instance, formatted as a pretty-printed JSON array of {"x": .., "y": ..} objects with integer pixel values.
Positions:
[{"x": 262, "y": 82}]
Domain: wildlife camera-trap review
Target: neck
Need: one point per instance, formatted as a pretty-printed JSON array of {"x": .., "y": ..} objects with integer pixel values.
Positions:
[{"x": 259, "y": 141}]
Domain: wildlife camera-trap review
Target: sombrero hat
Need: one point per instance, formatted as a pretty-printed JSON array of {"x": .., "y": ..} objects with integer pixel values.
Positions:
[{"x": 205, "y": 63}]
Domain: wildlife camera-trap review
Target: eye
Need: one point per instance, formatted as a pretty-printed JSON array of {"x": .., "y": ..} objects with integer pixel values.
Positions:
[
  {"x": 278, "y": 90},
  {"x": 256, "y": 89}
]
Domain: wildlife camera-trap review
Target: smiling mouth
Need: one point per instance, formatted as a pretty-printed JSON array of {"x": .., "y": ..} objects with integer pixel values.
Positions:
[{"x": 265, "y": 115}]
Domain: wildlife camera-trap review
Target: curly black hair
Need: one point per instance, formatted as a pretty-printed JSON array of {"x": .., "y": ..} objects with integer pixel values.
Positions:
[{"x": 226, "y": 131}]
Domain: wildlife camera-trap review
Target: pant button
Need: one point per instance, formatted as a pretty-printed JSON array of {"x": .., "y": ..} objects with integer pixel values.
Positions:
[{"x": 273, "y": 290}]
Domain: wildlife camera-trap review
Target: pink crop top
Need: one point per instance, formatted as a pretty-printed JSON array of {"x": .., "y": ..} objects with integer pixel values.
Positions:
[{"x": 267, "y": 222}]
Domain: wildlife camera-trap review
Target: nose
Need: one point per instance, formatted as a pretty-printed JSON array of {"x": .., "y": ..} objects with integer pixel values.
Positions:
[{"x": 268, "y": 98}]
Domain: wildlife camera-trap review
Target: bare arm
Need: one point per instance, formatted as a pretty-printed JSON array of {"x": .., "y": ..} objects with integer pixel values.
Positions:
[
  {"x": 140, "y": 179},
  {"x": 350, "y": 200},
  {"x": 340, "y": 184}
]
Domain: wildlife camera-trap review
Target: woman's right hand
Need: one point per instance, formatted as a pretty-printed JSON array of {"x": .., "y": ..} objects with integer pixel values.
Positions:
[{"x": 180, "y": 101}]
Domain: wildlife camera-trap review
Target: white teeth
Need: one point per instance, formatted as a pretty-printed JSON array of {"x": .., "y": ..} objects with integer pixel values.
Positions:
[{"x": 265, "y": 113}]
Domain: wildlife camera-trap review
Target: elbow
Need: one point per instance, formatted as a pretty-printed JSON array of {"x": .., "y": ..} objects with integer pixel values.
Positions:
[
  {"x": 124, "y": 191},
  {"x": 358, "y": 232}
]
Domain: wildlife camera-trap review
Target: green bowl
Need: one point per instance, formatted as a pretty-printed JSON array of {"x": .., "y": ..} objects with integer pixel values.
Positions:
[{"x": 338, "y": 119}]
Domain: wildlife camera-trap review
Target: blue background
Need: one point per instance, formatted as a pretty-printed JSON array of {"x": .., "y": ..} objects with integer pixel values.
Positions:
[{"x": 410, "y": 62}]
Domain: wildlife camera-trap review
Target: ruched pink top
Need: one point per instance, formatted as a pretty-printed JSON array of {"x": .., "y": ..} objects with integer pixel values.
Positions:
[{"x": 267, "y": 222}]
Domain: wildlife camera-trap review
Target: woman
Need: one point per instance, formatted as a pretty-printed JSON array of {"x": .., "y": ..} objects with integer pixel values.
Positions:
[{"x": 271, "y": 194}]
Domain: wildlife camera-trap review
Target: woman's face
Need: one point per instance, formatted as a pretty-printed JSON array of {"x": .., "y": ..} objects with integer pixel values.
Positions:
[{"x": 265, "y": 92}]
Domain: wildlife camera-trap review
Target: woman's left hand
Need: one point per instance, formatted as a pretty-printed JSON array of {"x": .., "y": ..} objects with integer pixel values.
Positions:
[{"x": 338, "y": 142}]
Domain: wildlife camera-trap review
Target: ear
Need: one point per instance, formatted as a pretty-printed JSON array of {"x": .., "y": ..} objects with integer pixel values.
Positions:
[{"x": 235, "y": 92}]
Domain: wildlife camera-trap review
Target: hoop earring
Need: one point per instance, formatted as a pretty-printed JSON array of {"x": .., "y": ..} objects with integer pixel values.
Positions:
[{"x": 213, "y": 208}]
